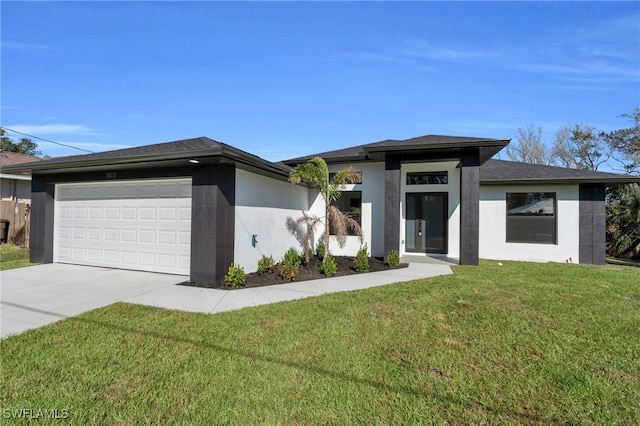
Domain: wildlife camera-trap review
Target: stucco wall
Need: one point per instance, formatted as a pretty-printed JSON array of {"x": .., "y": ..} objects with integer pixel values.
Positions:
[
  {"x": 264, "y": 207},
  {"x": 452, "y": 188},
  {"x": 493, "y": 216}
]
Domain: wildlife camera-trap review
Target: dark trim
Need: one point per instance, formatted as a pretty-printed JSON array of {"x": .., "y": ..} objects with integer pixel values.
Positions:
[
  {"x": 469, "y": 209},
  {"x": 116, "y": 175},
  {"x": 42, "y": 213},
  {"x": 592, "y": 224},
  {"x": 391, "y": 205},
  {"x": 212, "y": 222}
]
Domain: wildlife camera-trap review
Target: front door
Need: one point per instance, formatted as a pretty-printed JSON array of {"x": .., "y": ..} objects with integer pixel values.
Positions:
[{"x": 426, "y": 222}]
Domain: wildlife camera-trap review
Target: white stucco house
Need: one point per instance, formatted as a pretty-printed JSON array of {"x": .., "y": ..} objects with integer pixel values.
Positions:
[{"x": 197, "y": 205}]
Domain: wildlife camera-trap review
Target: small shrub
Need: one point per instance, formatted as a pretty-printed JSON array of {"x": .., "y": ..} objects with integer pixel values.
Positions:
[
  {"x": 290, "y": 265},
  {"x": 329, "y": 267},
  {"x": 320, "y": 250},
  {"x": 265, "y": 265},
  {"x": 393, "y": 258},
  {"x": 235, "y": 276},
  {"x": 361, "y": 261}
]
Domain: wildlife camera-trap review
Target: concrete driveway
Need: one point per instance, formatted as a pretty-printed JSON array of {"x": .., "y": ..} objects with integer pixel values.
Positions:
[{"x": 38, "y": 295}]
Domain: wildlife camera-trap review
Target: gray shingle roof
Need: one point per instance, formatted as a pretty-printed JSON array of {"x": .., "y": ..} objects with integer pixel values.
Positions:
[
  {"x": 209, "y": 151},
  {"x": 496, "y": 172},
  {"x": 367, "y": 152},
  {"x": 201, "y": 148}
]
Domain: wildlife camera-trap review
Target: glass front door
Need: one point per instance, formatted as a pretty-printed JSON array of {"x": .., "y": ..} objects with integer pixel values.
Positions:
[{"x": 426, "y": 222}]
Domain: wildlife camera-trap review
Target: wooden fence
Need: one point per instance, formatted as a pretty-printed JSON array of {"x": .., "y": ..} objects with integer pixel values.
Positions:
[{"x": 19, "y": 217}]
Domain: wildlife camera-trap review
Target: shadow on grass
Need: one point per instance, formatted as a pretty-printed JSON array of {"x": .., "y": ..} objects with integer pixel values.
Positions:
[{"x": 340, "y": 376}]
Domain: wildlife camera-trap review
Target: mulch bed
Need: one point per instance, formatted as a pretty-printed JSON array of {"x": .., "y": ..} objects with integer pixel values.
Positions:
[{"x": 310, "y": 271}]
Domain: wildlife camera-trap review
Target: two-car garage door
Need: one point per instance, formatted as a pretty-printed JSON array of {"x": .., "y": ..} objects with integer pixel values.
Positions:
[{"x": 142, "y": 225}]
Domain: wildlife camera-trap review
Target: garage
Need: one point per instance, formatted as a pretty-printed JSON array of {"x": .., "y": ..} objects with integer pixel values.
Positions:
[{"x": 141, "y": 225}]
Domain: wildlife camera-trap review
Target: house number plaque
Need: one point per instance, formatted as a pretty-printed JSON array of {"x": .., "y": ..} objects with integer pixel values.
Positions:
[{"x": 110, "y": 175}]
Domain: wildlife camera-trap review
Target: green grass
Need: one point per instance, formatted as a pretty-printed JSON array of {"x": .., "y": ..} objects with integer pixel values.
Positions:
[
  {"x": 12, "y": 256},
  {"x": 521, "y": 343}
]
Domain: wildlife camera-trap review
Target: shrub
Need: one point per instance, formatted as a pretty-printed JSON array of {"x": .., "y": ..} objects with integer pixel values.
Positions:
[
  {"x": 361, "y": 261},
  {"x": 235, "y": 276},
  {"x": 320, "y": 250},
  {"x": 290, "y": 265},
  {"x": 329, "y": 267},
  {"x": 393, "y": 258},
  {"x": 265, "y": 265}
]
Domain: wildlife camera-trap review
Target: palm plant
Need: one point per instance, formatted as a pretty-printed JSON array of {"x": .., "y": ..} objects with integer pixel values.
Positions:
[{"x": 315, "y": 173}]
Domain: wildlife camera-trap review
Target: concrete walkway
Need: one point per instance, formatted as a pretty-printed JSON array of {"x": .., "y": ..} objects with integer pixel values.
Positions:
[{"x": 38, "y": 295}]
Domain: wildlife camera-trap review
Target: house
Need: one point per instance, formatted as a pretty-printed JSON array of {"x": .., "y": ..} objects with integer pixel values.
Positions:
[
  {"x": 15, "y": 187},
  {"x": 15, "y": 198},
  {"x": 195, "y": 206}
]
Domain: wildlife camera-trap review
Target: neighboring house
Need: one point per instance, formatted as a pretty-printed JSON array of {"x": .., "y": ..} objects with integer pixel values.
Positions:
[
  {"x": 15, "y": 197},
  {"x": 15, "y": 187},
  {"x": 195, "y": 206}
]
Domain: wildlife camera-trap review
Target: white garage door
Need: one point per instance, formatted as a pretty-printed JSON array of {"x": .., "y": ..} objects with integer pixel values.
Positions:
[{"x": 142, "y": 225}]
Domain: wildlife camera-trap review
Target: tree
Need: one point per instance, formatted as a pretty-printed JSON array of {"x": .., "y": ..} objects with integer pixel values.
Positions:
[
  {"x": 623, "y": 221},
  {"x": 530, "y": 148},
  {"x": 625, "y": 143},
  {"x": 315, "y": 173},
  {"x": 580, "y": 146},
  {"x": 623, "y": 202},
  {"x": 22, "y": 146}
]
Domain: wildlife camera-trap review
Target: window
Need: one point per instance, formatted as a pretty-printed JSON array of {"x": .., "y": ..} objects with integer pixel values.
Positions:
[
  {"x": 531, "y": 217},
  {"x": 350, "y": 202},
  {"x": 427, "y": 178}
]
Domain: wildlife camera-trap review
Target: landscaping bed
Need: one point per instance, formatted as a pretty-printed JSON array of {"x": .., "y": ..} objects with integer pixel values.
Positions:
[{"x": 308, "y": 271}]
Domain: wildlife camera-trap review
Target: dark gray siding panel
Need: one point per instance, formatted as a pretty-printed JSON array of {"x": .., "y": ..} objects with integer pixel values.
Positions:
[
  {"x": 391, "y": 206},
  {"x": 212, "y": 222},
  {"x": 42, "y": 208},
  {"x": 469, "y": 209},
  {"x": 592, "y": 223}
]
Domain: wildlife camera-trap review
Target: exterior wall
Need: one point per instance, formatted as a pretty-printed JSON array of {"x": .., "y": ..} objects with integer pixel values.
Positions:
[
  {"x": 493, "y": 225},
  {"x": 266, "y": 208},
  {"x": 453, "y": 190}
]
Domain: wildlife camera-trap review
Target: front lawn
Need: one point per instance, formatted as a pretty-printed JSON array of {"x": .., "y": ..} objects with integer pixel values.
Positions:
[
  {"x": 521, "y": 343},
  {"x": 12, "y": 256}
]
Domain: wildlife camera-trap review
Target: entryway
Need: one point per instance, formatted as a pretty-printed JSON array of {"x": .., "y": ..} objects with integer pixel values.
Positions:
[{"x": 426, "y": 222}]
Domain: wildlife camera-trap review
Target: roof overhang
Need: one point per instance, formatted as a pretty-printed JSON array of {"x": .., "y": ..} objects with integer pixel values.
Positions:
[
  {"x": 485, "y": 150},
  {"x": 424, "y": 148},
  {"x": 223, "y": 154},
  {"x": 14, "y": 177}
]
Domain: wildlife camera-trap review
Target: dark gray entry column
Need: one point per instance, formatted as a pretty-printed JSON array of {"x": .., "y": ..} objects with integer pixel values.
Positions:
[
  {"x": 42, "y": 217},
  {"x": 469, "y": 209},
  {"x": 592, "y": 239},
  {"x": 212, "y": 222},
  {"x": 391, "y": 205}
]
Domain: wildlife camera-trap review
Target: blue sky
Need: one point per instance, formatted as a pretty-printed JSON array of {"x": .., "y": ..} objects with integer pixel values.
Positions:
[{"x": 286, "y": 79}]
